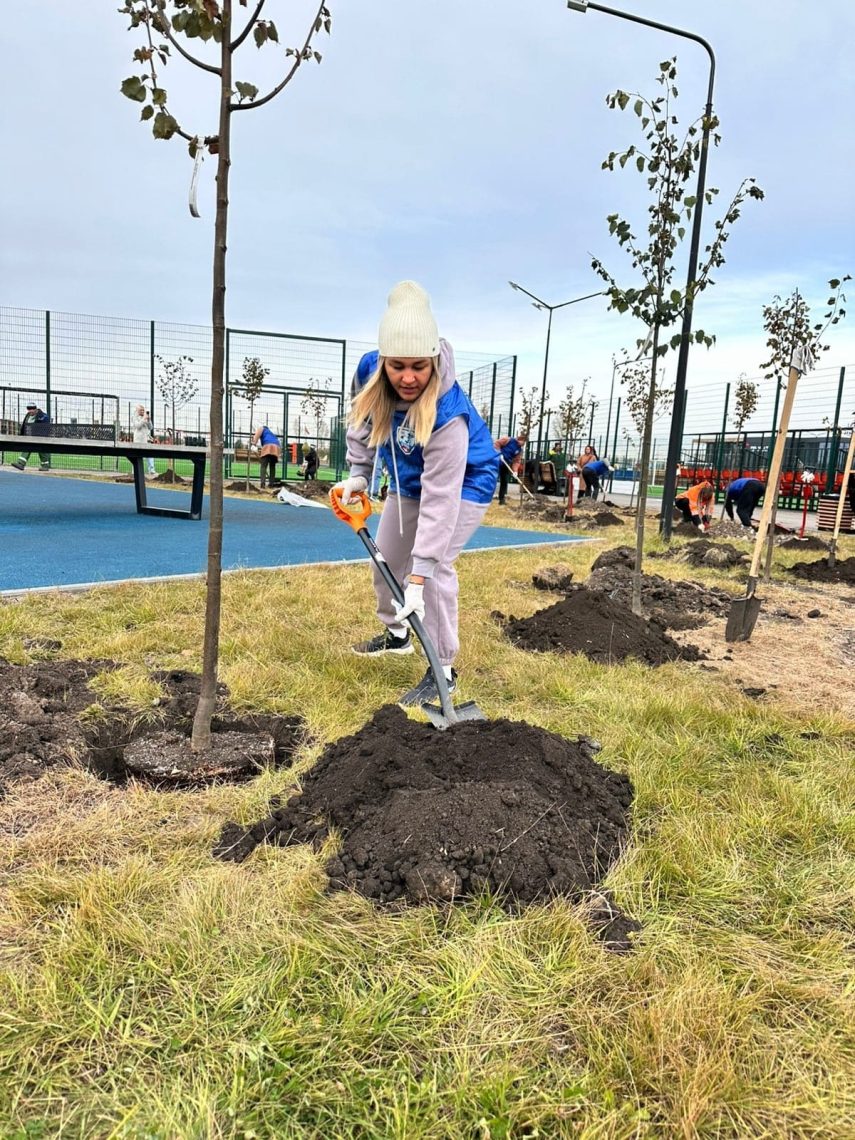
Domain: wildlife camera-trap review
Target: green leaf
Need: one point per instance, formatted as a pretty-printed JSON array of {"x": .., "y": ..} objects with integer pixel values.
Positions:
[
  {"x": 259, "y": 33},
  {"x": 164, "y": 125},
  {"x": 147, "y": 112},
  {"x": 622, "y": 99},
  {"x": 246, "y": 91},
  {"x": 676, "y": 296},
  {"x": 638, "y": 107},
  {"x": 272, "y": 34},
  {"x": 834, "y": 283},
  {"x": 158, "y": 97},
  {"x": 639, "y": 162},
  {"x": 133, "y": 88}
]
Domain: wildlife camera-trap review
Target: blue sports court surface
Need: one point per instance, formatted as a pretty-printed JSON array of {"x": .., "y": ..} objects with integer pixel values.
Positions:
[{"x": 59, "y": 531}]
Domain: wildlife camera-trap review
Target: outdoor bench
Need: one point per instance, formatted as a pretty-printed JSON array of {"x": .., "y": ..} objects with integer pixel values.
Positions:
[{"x": 135, "y": 453}]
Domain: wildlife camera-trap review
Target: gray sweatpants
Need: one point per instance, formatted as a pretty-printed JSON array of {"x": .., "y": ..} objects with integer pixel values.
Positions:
[{"x": 441, "y": 590}]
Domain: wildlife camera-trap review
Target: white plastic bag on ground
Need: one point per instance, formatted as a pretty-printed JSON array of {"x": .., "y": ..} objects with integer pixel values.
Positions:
[{"x": 292, "y": 500}]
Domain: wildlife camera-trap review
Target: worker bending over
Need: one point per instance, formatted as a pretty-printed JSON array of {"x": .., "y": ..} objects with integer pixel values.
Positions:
[
  {"x": 697, "y": 504},
  {"x": 744, "y": 494}
]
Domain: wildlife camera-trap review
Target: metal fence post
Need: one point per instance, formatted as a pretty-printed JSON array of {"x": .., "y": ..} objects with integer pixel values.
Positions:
[
  {"x": 492, "y": 397},
  {"x": 617, "y": 422},
  {"x": 836, "y": 436},
  {"x": 513, "y": 392},
  {"x": 151, "y": 371},
  {"x": 47, "y": 361},
  {"x": 720, "y": 459}
]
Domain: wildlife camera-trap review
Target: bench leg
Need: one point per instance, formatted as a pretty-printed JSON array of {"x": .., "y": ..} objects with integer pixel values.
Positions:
[
  {"x": 198, "y": 493},
  {"x": 139, "y": 484}
]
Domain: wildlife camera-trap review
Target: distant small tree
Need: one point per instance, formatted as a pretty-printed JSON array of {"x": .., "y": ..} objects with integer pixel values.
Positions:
[
  {"x": 314, "y": 404},
  {"x": 177, "y": 386},
  {"x": 249, "y": 389},
  {"x": 529, "y": 403},
  {"x": 571, "y": 418},
  {"x": 668, "y": 163},
  {"x": 793, "y": 340},
  {"x": 746, "y": 396}
]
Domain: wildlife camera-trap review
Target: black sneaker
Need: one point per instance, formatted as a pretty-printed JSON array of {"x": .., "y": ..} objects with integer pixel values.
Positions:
[
  {"x": 426, "y": 691},
  {"x": 384, "y": 643},
  {"x": 19, "y": 463}
]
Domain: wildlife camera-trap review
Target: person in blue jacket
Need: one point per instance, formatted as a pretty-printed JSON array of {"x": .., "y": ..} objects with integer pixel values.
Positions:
[
  {"x": 744, "y": 494},
  {"x": 35, "y": 422},
  {"x": 591, "y": 474},
  {"x": 270, "y": 453},
  {"x": 409, "y": 412},
  {"x": 510, "y": 448}
]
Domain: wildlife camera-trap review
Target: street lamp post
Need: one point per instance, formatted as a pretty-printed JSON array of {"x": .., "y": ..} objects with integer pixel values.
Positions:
[
  {"x": 675, "y": 435},
  {"x": 538, "y": 304}
]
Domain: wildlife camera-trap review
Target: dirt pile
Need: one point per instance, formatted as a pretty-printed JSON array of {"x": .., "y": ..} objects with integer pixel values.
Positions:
[
  {"x": 731, "y": 528},
  {"x": 426, "y": 816},
  {"x": 718, "y": 555},
  {"x": 250, "y": 488},
  {"x": 843, "y": 571},
  {"x": 600, "y": 519},
  {"x": 809, "y": 542},
  {"x": 41, "y": 726},
  {"x": 590, "y": 622},
  {"x": 673, "y": 605},
  {"x": 309, "y": 488},
  {"x": 168, "y": 476}
]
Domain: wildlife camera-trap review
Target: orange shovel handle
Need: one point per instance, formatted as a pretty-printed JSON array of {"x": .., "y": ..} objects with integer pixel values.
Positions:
[{"x": 356, "y": 515}]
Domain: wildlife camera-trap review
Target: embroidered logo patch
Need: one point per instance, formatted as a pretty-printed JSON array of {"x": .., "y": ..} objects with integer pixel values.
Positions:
[{"x": 406, "y": 438}]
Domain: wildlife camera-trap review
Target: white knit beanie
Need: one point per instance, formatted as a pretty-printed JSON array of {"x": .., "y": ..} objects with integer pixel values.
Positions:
[{"x": 408, "y": 328}]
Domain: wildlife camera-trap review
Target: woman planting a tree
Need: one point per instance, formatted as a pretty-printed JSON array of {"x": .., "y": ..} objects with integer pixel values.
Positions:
[{"x": 409, "y": 411}]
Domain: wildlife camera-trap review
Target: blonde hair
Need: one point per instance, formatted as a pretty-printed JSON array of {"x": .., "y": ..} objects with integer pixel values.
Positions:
[{"x": 378, "y": 400}]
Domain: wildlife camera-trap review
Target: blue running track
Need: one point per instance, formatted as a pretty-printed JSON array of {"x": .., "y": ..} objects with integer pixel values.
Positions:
[{"x": 62, "y": 532}]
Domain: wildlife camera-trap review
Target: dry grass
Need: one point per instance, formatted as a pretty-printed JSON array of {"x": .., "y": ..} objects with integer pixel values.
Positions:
[{"x": 147, "y": 991}]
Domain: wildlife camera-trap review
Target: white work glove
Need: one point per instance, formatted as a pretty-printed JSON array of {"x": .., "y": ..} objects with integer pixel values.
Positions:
[
  {"x": 350, "y": 487},
  {"x": 413, "y": 603},
  {"x": 254, "y": 447}
]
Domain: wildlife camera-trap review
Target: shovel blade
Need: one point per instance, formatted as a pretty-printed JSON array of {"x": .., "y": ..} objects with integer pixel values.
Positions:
[
  {"x": 742, "y": 618},
  {"x": 467, "y": 711}
]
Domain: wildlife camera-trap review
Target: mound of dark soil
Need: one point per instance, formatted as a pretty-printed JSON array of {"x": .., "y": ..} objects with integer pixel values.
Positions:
[
  {"x": 590, "y": 622},
  {"x": 719, "y": 555},
  {"x": 673, "y": 605},
  {"x": 309, "y": 489},
  {"x": 247, "y": 488},
  {"x": 810, "y": 542},
  {"x": 168, "y": 476},
  {"x": 430, "y": 816},
  {"x": 41, "y": 726},
  {"x": 605, "y": 518},
  {"x": 842, "y": 572}
]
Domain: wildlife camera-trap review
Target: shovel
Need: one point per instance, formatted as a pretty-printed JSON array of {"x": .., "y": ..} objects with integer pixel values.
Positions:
[
  {"x": 356, "y": 516},
  {"x": 841, "y": 502},
  {"x": 743, "y": 612}
]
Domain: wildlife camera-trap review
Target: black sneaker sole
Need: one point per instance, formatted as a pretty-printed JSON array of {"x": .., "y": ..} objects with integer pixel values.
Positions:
[{"x": 402, "y": 652}]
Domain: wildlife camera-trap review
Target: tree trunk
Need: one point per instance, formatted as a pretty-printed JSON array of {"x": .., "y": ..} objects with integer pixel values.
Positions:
[
  {"x": 249, "y": 447},
  {"x": 201, "y": 737},
  {"x": 642, "y": 480}
]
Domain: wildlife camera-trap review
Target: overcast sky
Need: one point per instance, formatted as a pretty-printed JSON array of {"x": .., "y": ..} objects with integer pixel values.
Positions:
[{"x": 456, "y": 142}]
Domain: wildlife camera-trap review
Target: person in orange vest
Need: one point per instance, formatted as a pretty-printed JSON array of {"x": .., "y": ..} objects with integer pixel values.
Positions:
[{"x": 697, "y": 504}]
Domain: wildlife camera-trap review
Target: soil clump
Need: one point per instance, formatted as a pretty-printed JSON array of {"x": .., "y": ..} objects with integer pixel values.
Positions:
[
  {"x": 810, "y": 542},
  {"x": 842, "y": 572},
  {"x": 720, "y": 555},
  {"x": 427, "y": 816},
  {"x": 604, "y": 630},
  {"x": 50, "y": 716},
  {"x": 558, "y": 577},
  {"x": 168, "y": 476},
  {"x": 245, "y": 488}
]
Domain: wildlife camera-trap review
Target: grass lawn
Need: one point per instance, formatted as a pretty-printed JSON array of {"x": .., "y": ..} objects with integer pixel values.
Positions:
[{"x": 148, "y": 991}]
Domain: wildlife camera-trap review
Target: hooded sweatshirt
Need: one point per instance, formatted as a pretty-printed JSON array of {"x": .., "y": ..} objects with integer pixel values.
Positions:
[{"x": 458, "y": 462}]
